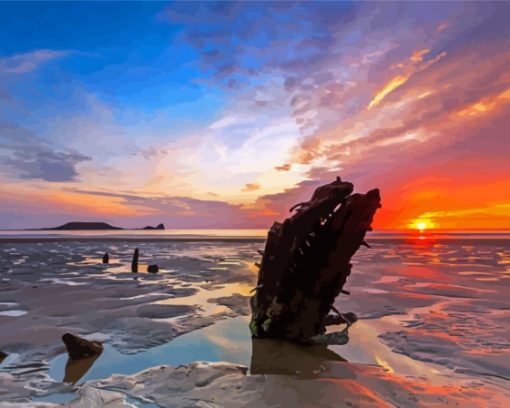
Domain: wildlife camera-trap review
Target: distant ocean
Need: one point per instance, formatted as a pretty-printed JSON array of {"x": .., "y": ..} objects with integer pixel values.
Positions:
[{"x": 236, "y": 234}]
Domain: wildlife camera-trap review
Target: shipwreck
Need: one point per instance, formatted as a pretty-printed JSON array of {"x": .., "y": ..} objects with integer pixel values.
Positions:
[{"x": 306, "y": 262}]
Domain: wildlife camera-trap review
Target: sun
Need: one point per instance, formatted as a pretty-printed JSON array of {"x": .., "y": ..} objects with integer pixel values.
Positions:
[{"x": 422, "y": 224}]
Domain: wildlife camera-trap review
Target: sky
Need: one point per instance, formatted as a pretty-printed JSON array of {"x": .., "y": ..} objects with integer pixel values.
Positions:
[{"x": 224, "y": 115}]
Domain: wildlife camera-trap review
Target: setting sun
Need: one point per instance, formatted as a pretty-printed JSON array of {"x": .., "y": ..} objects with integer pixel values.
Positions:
[{"x": 422, "y": 224}]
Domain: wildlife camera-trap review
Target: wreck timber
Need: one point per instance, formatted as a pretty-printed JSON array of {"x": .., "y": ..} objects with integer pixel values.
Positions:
[{"x": 306, "y": 262}]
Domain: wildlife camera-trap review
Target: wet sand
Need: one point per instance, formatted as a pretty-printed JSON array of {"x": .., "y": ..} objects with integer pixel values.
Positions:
[{"x": 433, "y": 329}]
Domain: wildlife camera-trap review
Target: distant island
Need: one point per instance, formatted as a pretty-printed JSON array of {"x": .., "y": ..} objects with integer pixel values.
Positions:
[
  {"x": 85, "y": 226},
  {"x": 159, "y": 227},
  {"x": 96, "y": 226}
]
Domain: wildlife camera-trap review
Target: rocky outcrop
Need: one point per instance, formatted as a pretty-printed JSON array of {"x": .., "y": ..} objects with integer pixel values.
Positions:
[
  {"x": 159, "y": 227},
  {"x": 78, "y": 347},
  {"x": 306, "y": 262}
]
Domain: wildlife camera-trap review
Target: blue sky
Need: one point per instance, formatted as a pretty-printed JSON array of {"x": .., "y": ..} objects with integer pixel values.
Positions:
[
  {"x": 123, "y": 52},
  {"x": 143, "y": 112}
]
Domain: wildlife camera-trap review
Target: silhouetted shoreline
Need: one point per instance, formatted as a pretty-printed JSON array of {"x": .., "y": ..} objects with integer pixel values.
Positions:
[{"x": 91, "y": 226}]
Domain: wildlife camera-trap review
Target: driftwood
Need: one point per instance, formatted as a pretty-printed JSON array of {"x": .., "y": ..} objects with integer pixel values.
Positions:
[{"x": 306, "y": 262}]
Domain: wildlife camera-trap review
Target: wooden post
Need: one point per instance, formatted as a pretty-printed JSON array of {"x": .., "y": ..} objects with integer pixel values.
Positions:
[{"x": 134, "y": 262}]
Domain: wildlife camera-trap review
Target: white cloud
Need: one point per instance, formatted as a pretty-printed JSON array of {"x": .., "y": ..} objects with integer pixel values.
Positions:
[{"x": 29, "y": 61}]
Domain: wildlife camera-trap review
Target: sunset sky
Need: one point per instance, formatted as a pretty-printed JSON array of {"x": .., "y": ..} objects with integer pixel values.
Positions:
[{"x": 224, "y": 115}]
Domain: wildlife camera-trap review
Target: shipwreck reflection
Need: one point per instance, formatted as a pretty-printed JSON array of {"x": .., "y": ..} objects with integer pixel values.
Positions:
[
  {"x": 271, "y": 356},
  {"x": 77, "y": 368}
]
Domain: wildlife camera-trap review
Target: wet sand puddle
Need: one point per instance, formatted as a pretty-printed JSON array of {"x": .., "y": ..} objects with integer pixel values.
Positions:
[
  {"x": 229, "y": 340},
  {"x": 226, "y": 340}
]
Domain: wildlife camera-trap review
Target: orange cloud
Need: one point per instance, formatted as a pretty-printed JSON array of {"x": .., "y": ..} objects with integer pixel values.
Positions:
[
  {"x": 418, "y": 55},
  {"x": 284, "y": 167},
  {"x": 486, "y": 104},
  {"x": 251, "y": 187},
  {"x": 394, "y": 83},
  {"x": 91, "y": 205}
]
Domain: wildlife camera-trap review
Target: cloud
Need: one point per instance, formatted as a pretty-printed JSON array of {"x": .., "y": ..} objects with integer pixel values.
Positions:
[
  {"x": 46, "y": 165},
  {"x": 376, "y": 95},
  {"x": 152, "y": 153},
  {"x": 248, "y": 39},
  {"x": 394, "y": 83},
  {"x": 283, "y": 167},
  {"x": 375, "y": 105},
  {"x": 278, "y": 204},
  {"x": 251, "y": 187},
  {"x": 31, "y": 158},
  {"x": 183, "y": 212},
  {"x": 29, "y": 61}
]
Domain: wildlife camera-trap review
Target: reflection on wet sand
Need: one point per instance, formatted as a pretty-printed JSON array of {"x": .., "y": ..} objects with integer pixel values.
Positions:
[
  {"x": 77, "y": 368},
  {"x": 271, "y": 356},
  {"x": 205, "y": 299}
]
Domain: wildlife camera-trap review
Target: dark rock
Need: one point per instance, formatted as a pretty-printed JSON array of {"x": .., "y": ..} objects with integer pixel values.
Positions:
[
  {"x": 159, "y": 227},
  {"x": 81, "y": 348},
  {"x": 153, "y": 268},
  {"x": 134, "y": 262},
  {"x": 306, "y": 262},
  {"x": 2, "y": 356},
  {"x": 106, "y": 258}
]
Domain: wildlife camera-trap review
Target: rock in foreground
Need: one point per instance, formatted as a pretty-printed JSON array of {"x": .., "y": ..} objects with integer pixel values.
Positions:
[{"x": 78, "y": 347}]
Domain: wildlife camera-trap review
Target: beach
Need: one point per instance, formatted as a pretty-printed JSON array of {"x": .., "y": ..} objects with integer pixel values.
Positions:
[{"x": 433, "y": 328}]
